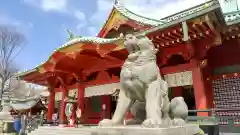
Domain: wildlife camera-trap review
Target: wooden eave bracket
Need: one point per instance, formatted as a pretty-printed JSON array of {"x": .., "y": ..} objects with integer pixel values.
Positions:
[
  {"x": 209, "y": 19},
  {"x": 185, "y": 31}
]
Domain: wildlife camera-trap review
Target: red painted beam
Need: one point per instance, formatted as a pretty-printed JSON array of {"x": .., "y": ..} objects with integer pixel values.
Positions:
[
  {"x": 229, "y": 75},
  {"x": 88, "y": 71}
]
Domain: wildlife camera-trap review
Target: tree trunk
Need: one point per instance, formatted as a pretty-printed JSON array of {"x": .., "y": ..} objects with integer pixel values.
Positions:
[{"x": 1, "y": 96}]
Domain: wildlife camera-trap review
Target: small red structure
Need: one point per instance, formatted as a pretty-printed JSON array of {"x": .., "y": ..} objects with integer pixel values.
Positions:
[{"x": 199, "y": 57}]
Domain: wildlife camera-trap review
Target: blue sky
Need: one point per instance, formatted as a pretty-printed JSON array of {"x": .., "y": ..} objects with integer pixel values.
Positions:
[{"x": 44, "y": 22}]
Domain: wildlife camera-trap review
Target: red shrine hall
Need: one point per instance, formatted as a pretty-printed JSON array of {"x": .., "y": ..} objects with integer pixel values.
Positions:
[{"x": 199, "y": 57}]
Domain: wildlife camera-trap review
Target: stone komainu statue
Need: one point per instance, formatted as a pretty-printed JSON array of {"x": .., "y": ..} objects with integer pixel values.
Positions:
[{"x": 143, "y": 87}]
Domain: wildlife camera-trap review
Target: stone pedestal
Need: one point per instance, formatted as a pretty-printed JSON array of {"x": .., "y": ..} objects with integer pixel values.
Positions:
[
  {"x": 5, "y": 114},
  {"x": 137, "y": 130}
]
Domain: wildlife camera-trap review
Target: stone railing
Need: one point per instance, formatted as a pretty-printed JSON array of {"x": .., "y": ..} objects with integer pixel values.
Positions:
[
  {"x": 32, "y": 123},
  {"x": 214, "y": 122}
]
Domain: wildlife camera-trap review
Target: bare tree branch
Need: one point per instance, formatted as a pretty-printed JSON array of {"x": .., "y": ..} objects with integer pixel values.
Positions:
[{"x": 11, "y": 44}]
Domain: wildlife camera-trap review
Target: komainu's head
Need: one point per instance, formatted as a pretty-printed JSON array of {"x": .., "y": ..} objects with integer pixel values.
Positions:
[{"x": 138, "y": 44}]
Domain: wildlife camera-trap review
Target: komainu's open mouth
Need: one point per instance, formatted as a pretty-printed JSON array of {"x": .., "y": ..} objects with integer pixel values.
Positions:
[{"x": 131, "y": 44}]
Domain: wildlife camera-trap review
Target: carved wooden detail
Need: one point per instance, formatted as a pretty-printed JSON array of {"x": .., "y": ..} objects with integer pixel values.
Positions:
[{"x": 179, "y": 79}]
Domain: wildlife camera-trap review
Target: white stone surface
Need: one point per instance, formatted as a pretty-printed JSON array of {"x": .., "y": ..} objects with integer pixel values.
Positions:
[
  {"x": 141, "y": 80},
  {"x": 120, "y": 130},
  {"x": 130, "y": 130}
]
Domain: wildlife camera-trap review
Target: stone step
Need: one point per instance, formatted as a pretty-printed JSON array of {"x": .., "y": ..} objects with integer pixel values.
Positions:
[
  {"x": 60, "y": 131},
  {"x": 68, "y": 131},
  {"x": 57, "y": 133},
  {"x": 119, "y": 130}
]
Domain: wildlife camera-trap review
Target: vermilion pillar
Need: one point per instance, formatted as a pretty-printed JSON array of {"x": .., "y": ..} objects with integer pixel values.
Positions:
[
  {"x": 199, "y": 91},
  {"x": 63, "y": 118},
  {"x": 51, "y": 106},
  {"x": 81, "y": 93}
]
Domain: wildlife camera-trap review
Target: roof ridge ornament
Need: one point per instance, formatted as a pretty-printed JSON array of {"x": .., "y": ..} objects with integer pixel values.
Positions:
[
  {"x": 117, "y": 2},
  {"x": 71, "y": 36}
]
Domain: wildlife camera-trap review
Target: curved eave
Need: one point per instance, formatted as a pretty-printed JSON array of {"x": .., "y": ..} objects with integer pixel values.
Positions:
[
  {"x": 75, "y": 45},
  {"x": 26, "y": 72},
  {"x": 102, "y": 31},
  {"x": 32, "y": 77},
  {"x": 185, "y": 15},
  {"x": 125, "y": 13},
  {"x": 119, "y": 6}
]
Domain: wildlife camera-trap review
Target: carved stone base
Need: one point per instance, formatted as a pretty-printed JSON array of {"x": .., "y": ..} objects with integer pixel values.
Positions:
[{"x": 137, "y": 130}]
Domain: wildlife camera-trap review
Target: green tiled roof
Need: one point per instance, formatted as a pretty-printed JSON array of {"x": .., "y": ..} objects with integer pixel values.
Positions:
[
  {"x": 119, "y": 6},
  {"x": 185, "y": 15}
]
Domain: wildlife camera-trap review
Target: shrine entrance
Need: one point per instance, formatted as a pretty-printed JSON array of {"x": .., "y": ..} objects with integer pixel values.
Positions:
[
  {"x": 114, "y": 98},
  {"x": 113, "y": 105},
  {"x": 188, "y": 95},
  {"x": 187, "y": 92},
  {"x": 181, "y": 85}
]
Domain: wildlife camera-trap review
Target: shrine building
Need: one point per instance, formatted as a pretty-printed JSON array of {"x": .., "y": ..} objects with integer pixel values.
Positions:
[{"x": 199, "y": 57}]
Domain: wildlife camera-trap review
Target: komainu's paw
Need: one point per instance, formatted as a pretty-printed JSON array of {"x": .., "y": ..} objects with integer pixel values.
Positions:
[
  {"x": 178, "y": 122},
  {"x": 107, "y": 123},
  {"x": 133, "y": 122},
  {"x": 151, "y": 123},
  {"x": 167, "y": 121}
]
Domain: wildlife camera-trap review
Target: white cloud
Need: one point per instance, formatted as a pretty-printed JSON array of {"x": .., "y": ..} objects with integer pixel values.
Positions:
[
  {"x": 82, "y": 20},
  {"x": 104, "y": 5},
  {"x": 30, "y": 25},
  {"x": 61, "y": 6},
  {"x": 92, "y": 31},
  {"x": 80, "y": 15},
  {"x": 10, "y": 21},
  {"x": 49, "y": 5},
  {"x": 57, "y": 5},
  {"x": 103, "y": 10}
]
